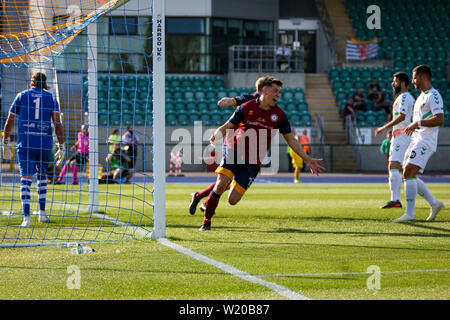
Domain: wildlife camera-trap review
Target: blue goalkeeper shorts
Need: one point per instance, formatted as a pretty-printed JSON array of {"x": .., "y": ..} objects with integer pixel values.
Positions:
[{"x": 33, "y": 160}]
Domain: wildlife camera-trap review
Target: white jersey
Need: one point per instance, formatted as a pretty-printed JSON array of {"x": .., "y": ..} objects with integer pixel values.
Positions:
[
  {"x": 403, "y": 104},
  {"x": 429, "y": 103}
]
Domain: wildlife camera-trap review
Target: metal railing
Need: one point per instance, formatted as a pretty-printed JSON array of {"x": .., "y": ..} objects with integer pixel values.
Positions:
[
  {"x": 254, "y": 58},
  {"x": 322, "y": 151},
  {"x": 352, "y": 131}
]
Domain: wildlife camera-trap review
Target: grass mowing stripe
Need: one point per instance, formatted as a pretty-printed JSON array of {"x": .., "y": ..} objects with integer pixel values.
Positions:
[
  {"x": 349, "y": 273},
  {"x": 286, "y": 292}
]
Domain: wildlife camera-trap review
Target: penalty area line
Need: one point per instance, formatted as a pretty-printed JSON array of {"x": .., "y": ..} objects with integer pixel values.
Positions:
[{"x": 284, "y": 291}]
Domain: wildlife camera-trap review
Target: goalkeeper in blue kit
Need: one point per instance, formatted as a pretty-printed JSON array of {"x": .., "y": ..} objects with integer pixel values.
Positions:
[{"x": 35, "y": 109}]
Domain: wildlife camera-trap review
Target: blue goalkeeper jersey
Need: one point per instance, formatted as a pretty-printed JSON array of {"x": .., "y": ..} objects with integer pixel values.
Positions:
[{"x": 33, "y": 108}]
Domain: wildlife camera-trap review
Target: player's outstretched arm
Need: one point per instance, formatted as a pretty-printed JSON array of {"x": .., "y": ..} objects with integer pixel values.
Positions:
[
  {"x": 226, "y": 102},
  {"x": 297, "y": 147},
  {"x": 236, "y": 101},
  {"x": 220, "y": 132}
]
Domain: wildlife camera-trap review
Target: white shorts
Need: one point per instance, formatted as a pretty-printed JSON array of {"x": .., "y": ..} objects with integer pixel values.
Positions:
[
  {"x": 418, "y": 154},
  {"x": 399, "y": 145}
]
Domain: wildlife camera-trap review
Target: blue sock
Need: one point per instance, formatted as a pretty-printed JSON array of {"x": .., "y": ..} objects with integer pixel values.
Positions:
[
  {"x": 42, "y": 190},
  {"x": 25, "y": 195}
]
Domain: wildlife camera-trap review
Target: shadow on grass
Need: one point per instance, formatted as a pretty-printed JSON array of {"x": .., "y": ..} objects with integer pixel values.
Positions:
[
  {"x": 360, "y": 234},
  {"x": 106, "y": 269}
]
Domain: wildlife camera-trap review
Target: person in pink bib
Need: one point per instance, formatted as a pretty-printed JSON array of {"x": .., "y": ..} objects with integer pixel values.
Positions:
[{"x": 79, "y": 159}]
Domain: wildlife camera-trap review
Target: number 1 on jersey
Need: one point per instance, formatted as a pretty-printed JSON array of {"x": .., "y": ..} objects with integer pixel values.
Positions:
[{"x": 37, "y": 103}]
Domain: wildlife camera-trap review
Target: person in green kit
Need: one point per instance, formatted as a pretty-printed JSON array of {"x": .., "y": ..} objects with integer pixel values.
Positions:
[
  {"x": 386, "y": 144},
  {"x": 113, "y": 140}
]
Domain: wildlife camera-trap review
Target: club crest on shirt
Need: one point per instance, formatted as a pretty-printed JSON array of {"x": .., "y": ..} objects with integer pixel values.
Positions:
[
  {"x": 274, "y": 117},
  {"x": 413, "y": 155}
]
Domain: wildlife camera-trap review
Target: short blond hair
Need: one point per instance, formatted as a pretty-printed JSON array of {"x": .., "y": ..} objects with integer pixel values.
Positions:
[{"x": 267, "y": 81}]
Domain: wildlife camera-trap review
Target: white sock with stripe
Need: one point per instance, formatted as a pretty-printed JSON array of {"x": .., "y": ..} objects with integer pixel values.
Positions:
[
  {"x": 410, "y": 195},
  {"x": 423, "y": 191},
  {"x": 25, "y": 195},
  {"x": 395, "y": 184},
  {"x": 42, "y": 191}
]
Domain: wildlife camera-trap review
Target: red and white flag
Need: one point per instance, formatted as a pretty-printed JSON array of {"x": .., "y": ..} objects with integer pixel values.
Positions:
[{"x": 362, "y": 50}]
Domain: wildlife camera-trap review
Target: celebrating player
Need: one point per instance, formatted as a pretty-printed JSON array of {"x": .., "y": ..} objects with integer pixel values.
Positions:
[
  {"x": 242, "y": 160},
  {"x": 224, "y": 102},
  {"x": 35, "y": 108},
  {"x": 424, "y": 130},
  {"x": 402, "y": 114}
]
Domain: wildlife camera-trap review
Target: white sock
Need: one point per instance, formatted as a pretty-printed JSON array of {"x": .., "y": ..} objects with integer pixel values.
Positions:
[
  {"x": 395, "y": 184},
  {"x": 423, "y": 191},
  {"x": 410, "y": 195}
]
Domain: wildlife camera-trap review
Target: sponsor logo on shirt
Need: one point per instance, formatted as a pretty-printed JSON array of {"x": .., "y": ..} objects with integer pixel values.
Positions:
[{"x": 274, "y": 117}]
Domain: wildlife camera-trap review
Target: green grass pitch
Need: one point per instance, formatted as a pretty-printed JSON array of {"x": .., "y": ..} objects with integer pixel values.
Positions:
[{"x": 317, "y": 240}]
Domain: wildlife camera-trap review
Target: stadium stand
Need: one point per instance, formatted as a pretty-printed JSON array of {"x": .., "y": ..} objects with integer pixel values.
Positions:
[
  {"x": 408, "y": 34},
  {"x": 188, "y": 99}
]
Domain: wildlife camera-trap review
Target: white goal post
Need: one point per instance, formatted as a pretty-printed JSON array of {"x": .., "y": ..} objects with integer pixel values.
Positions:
[{"x": 159, "y": 118}]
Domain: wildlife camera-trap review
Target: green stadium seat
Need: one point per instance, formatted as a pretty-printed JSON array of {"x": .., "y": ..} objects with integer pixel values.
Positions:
[
  {"x": 287, "y": 94},
  {"x": 302, "y": 107},
  {"x": 197, "y": 82},
  {"x": 202, "y": 105},
  {"x": 208, "y": 83},
  {"x": 221, "y": 93},
  {"x": 211, "y": 94},
  {"x": 299, "y": 96},
  {"x": 219, "y": 83},
  {"x": 200, "y": 95},
  {"x": 103, "y": 119},
  {"x": 186, "y": 82},
  {"x": 216, "y": 119},
  {"x": 188, "y": 94}
]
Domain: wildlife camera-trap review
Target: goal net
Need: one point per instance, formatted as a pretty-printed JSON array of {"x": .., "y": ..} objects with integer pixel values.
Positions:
[{"x": 104, "y": 63}]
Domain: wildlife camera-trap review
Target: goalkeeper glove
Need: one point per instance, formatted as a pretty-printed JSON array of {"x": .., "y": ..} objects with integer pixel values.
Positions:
[
  {"x": 7, "y": 153},
  {"x": 60, "y": 155}
]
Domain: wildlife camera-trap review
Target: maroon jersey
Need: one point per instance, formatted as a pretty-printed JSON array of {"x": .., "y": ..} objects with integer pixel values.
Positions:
[{"x": 254, "y": 130}]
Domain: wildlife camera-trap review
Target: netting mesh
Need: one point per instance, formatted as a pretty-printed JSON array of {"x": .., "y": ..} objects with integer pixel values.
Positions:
[{"x": 102, "y": 77}]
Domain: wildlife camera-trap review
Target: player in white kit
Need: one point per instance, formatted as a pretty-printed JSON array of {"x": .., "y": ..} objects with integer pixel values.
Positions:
[
  {"x": 424, "y": 131},
  {"x": 402, "y": 111}
]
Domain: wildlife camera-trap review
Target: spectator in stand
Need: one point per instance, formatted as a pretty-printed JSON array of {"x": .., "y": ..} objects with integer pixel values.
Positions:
[
  {"x": 283, "y": 57},
  {"x": 349, "y": 111},
  {"x": 381, "y": 104},
  {"x": 130, "y": 141},
  {"x": 374, "y": 89},
  {"x": 359, "y": 100}
]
